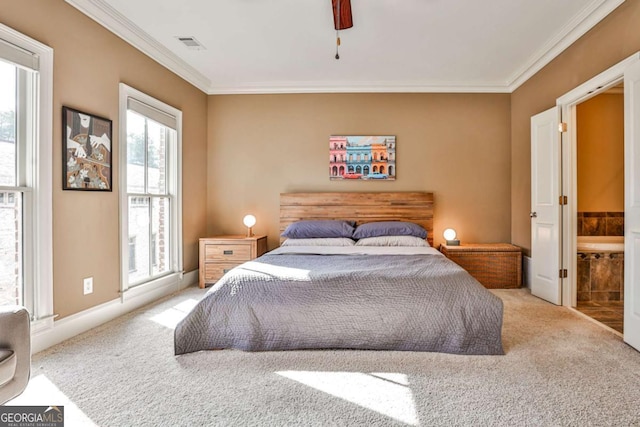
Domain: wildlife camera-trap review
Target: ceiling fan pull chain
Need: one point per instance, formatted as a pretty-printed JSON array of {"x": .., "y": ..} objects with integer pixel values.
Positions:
[{"x": 338, "y": 33}]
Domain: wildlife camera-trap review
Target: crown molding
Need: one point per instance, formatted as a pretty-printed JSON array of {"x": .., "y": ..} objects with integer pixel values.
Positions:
[
  {"x": 364, "y": 87},
  {"x": 591, "y": 15},
  {"x": 120, "y": 25}
]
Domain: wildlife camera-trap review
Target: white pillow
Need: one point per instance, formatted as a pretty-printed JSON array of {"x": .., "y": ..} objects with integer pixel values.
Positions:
[
  {"x": 320, "y": 241},
  {"x": 392, "y": 241}
]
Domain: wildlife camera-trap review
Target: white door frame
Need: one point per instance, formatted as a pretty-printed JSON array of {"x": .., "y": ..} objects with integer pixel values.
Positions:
[{"x": 567, "y": 104}]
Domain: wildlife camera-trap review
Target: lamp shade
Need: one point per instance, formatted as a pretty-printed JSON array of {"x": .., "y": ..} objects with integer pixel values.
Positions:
[
  {"x": 449, "y": 234},
  {"x": 249, "y": 220}
]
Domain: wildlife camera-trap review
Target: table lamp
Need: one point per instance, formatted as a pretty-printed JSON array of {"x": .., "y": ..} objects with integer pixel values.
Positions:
[
  {"x": 249, "y": 221},
  {"x": 450, "y": 236}
]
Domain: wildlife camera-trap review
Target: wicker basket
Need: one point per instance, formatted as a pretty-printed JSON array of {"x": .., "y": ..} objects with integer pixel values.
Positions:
[{"x": 495, "y": 265}]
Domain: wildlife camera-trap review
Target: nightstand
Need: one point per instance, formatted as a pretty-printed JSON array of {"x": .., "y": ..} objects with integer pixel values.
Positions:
[
  {"x": 495, "y": 265},
  {"x": 220, "y": 254}
]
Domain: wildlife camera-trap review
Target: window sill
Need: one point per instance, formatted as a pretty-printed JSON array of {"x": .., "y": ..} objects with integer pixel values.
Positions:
[{"x": 156, "y": 285}]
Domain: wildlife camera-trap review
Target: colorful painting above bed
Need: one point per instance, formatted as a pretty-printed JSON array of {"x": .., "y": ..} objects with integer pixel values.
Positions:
[{"x": 362, "y": 157}]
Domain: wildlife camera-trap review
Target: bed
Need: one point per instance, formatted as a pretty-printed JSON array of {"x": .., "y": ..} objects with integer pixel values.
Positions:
[{"x": 353, "y": 297}]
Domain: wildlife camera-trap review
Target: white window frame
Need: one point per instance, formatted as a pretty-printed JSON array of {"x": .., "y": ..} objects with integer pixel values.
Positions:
[
  {"x": 38, "y": 206},
  {"x": 174, "y": 183}
]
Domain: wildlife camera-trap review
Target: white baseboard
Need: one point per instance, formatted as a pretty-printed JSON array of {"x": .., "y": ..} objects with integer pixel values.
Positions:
[
  {"x": 95, "y": 316},
  {"x": 526, "y": 271}
]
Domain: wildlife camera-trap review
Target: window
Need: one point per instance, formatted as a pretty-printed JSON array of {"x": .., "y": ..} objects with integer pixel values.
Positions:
[
  {"x": 11, "y": 228},
  {"x": 149, "y": 186},
  {"x": 132, "y": 254},
  {"x": 26, "y": 75}
]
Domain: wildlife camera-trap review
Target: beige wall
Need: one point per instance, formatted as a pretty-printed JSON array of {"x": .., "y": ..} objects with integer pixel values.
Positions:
[
  {"x": 456, "y": 145},
  {"x": 89, "y": 63},
  {"x": 600, "y": 154},
  {"x": 609, "y": 42}
]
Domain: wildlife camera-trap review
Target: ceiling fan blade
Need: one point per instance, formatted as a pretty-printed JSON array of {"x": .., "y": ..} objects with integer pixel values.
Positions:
[{"x": 345, "y": 14}]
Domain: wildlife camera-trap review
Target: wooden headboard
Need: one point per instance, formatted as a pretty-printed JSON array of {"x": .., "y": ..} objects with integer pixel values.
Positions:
[{"x": 360, "y": 207}]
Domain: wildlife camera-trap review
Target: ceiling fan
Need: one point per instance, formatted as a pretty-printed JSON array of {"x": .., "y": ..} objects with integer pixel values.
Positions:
[{"x": 341, "y": 19}]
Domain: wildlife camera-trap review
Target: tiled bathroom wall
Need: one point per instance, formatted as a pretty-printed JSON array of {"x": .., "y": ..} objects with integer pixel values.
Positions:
[
  {"x": 600, "y": 223},
  {"x": 600, "y": 276}
]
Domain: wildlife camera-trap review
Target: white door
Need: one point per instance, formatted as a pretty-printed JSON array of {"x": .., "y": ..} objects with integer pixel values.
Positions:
[
  {"x": 545, "y": 206},
  {"x": 632, "y": 205}
]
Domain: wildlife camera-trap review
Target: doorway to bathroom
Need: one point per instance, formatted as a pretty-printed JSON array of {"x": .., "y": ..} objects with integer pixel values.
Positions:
[
  {"x": 627, "y": 72},
  {"x": 554, "y": 195},
  {"x": 599, "y": 290}
]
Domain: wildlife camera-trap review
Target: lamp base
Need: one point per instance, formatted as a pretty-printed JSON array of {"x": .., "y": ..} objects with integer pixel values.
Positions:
[{"x": 455, "y": 242}]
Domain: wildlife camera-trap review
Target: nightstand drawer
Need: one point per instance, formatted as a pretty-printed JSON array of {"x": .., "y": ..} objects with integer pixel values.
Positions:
[
  {"x": 222, "y": 253},
  {"x": 213, "y": 272},
  {"x": 219, "y": 254}
]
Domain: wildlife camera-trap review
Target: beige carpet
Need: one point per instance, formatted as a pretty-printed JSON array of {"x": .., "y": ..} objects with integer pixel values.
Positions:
[{"x": 560, "y": 369}]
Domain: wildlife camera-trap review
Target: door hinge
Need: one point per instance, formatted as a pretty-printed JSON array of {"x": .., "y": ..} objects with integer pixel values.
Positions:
[
  {"x": 562, "y": 200},
  {"x": 563, "y": 273},
  {"x": 562, "y": 127}
]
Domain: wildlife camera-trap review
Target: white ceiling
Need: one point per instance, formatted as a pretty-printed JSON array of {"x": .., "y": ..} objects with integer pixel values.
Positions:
[{"x": 288, "y": 46}]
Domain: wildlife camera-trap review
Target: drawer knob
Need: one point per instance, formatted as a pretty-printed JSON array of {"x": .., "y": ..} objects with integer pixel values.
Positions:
[{"x": 228, "y": 252}]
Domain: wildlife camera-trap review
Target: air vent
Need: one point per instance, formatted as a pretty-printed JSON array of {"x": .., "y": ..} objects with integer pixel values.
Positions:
[{"x": 191, "y": 43}]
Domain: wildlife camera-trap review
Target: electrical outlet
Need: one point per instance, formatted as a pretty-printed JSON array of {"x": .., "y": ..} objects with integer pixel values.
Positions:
[{"x": 88, "y": 285}]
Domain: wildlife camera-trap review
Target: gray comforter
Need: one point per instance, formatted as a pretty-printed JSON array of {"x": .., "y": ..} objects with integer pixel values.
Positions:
[{"x": 377, "y": 302}]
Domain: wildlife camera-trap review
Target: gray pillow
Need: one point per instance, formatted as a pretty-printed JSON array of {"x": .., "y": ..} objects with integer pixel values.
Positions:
[
  {"x": 389, "y": 228},
  {"x": 320, "y": 241},
  {"x": 311, "y": 229}
]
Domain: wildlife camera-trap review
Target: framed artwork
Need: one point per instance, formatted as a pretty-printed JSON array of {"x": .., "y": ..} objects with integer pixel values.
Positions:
[
  {"x": 362, "y": 157},
  {"x": 86, "y": 151}
]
